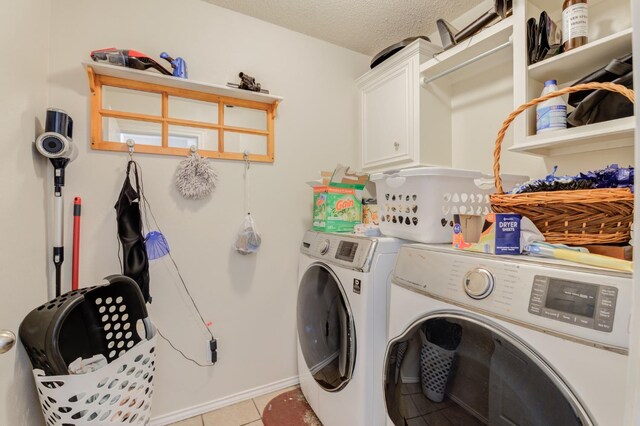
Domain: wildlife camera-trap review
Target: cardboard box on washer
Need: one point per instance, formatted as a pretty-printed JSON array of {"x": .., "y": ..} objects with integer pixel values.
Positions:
[{"x": 335, "y": 209}]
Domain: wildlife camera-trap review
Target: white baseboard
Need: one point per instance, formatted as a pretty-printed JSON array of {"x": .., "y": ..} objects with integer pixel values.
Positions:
[{"x": 186, "y": 413}]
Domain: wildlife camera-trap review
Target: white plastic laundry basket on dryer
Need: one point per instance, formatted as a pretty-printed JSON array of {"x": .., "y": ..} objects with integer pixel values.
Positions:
[{"x": 418, "y": 204}]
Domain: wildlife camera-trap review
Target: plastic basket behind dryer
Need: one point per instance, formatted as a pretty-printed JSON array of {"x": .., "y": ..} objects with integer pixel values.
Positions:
[{"x": 418, "y": 204}]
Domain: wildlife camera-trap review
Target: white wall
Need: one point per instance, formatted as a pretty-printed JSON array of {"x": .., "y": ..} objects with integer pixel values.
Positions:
[
  {"x": 24, "y": 28},
  {"x": 250, "y": 300},
  {"x": 480, "y": 104}
]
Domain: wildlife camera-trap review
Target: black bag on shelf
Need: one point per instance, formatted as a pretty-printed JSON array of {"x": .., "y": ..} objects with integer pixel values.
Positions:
[
  {"x": 596, "y": 106},
  {"x": 603, "y": 105},
  {"x": 613, "y": 70}
]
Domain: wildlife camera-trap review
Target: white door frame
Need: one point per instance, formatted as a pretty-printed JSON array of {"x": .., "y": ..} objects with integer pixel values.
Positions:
[{"x": 632, "y": 413}]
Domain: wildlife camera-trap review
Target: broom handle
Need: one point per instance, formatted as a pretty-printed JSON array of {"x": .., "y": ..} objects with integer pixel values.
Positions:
[{"x": 628, "y": 93}]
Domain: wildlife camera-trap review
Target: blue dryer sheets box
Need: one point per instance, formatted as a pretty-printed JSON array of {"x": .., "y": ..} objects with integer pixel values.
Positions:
[{"x": 495, "y": 233}]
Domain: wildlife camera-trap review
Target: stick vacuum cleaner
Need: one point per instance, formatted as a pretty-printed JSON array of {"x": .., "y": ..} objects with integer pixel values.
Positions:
[
  {"x": 128, "y": 58},
  {"x": 56, "y": 144}
]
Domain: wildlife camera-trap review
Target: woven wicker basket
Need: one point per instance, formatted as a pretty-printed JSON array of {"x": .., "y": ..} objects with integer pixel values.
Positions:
[{"x": 589, "y": 216}]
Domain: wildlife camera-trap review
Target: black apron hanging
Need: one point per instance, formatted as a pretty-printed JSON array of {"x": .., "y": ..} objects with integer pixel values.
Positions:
[{"x": 135, "y": 263}]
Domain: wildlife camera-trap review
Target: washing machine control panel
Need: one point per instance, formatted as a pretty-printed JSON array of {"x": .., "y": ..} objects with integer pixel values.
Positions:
[
  {"x": 582, "y": 304},
  {"x": 343, "y": 250}
]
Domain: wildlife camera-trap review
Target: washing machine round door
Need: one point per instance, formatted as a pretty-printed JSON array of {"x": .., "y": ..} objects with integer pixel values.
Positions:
[
  {"x": 325, "y": 328},
  {"x": 462, "y": 368}
]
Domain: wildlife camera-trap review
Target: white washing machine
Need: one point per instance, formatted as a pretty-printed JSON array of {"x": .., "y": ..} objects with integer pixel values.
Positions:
[
  {"x": 505, "y": 340},
  {"x": 342, "y": 310}
]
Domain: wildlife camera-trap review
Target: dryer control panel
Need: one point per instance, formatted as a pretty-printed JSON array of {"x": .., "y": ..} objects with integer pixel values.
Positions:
[
  {"x": 582, "y": 304},
  {"x": 344, "y": 250},
  {"x": 587, "y": 304}
]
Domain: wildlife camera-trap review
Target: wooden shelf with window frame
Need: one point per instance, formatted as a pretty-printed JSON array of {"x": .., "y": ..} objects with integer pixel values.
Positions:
[{"x": 101, "y": 75}]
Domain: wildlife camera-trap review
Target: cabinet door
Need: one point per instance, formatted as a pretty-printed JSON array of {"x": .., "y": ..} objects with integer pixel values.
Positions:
[{"x": 387, "y": 118}]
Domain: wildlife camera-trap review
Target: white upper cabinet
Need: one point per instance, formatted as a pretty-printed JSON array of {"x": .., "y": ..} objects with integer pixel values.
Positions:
[
  {"x": 392, "y": 132},
  {"x": 386, "y": 126}
]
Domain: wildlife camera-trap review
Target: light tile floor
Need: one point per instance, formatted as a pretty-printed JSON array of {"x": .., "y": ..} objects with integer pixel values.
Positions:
[{"x": 245, "y": 413}]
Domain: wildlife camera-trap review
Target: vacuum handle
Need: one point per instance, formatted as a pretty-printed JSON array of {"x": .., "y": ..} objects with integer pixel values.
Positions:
[{"x": 58, "y": 220}]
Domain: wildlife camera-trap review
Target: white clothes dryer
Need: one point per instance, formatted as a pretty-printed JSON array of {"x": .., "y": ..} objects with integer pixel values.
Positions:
[
  {"x": 342, "y": 310},
  {"x": 505, "y": 340}
]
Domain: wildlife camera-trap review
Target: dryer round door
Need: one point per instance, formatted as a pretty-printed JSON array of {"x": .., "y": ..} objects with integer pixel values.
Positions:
[
  {"x": 462, "y": 368},
  {"x": 326, "y": 329}
]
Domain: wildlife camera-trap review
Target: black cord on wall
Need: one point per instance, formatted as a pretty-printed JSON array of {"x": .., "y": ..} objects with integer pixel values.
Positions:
[{"x": 146, "y": 207}]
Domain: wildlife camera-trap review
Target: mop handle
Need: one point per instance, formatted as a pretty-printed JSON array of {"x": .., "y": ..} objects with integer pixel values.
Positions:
[{"x": 77, "y": 210}]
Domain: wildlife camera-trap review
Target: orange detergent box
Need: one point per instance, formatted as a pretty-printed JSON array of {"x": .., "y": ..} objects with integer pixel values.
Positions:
[
  {"x": 335, "y": 209},
  {"x": 496, "y": 233}
]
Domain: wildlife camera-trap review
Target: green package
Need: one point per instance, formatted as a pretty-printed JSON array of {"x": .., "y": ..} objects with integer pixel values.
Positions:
[{"x": 335, "y": 209}]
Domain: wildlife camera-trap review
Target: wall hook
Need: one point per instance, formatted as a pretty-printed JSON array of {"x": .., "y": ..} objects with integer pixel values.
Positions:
[
  {"x": 245, "y": 157},
  {"x": 132, "y": 146}
]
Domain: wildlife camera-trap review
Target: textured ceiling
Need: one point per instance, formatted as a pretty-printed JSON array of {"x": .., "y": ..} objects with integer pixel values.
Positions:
[{"x": 366, "y": 26}]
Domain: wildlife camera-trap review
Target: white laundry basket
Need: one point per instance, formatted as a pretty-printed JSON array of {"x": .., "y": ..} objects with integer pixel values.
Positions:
[
  {"x": 108, "y": 320},
  {"x": 418, "y": 204},
  {"x": 119, "y": 393}
]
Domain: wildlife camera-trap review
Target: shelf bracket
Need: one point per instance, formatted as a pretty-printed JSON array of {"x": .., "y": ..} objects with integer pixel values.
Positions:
[
  {"x": 424, "y": 81},
  {"x": 92, "y": 80}
]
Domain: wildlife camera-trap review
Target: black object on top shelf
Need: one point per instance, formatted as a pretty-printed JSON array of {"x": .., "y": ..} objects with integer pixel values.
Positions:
[
  {"x": 248, "y": 83},
  {"x": 450, "y": 36},
  {"x": 84, "y": 323},
  {"x": 544, "y": 39},
  {"x": 389, "y": 51}
]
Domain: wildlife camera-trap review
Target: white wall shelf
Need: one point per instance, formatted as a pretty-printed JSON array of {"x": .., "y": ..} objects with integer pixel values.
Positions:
[
  {"x": 594, "y": 137},
  {"x": 480, "y": 43},
  {"x": 180, "y": 83},
  {"x": 110, "y": 123},
  {"x": 610, "y": 35},
  {"x": 588, "y": 57}
]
